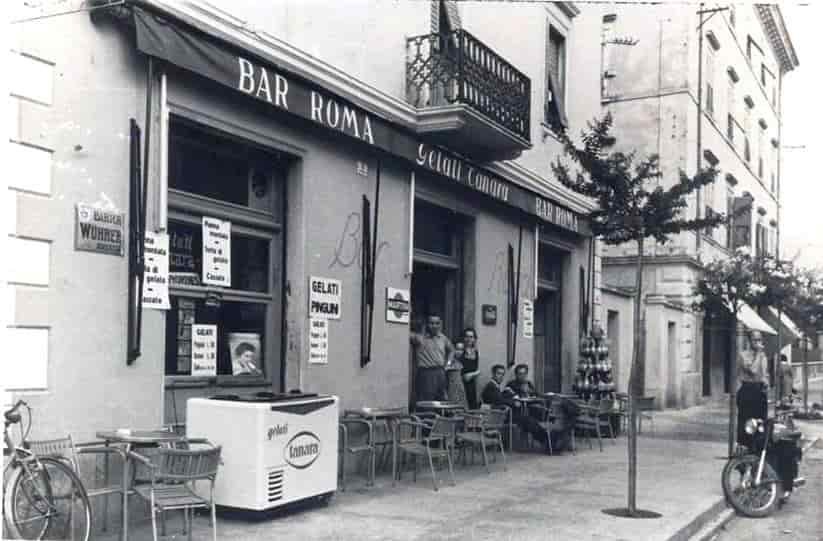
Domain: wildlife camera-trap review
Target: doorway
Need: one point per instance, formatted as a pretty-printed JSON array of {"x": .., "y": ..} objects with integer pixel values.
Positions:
[
  {"x": 434, "y": 290},
  {"x": 613, "y": 332},
  {"x": 547, "y": 362}
]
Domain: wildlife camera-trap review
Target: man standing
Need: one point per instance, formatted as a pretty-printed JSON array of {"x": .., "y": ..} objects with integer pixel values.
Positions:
[{"x": 432, "y": 350}]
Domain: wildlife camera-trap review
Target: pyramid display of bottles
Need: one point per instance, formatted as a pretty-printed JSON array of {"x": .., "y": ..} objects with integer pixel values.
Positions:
[{"x": 594, "y": 370}]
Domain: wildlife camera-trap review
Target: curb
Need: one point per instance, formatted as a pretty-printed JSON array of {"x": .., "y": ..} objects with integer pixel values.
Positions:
[{"x": 701, "y": 527}]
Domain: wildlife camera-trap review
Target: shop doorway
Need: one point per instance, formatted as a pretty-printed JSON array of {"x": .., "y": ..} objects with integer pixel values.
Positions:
[
  {"x": 613, "y": 332},
  {"x": 547, "y": 360},
  {"x": 434, "y": 290},
  {"x": 672, "y": 368}
]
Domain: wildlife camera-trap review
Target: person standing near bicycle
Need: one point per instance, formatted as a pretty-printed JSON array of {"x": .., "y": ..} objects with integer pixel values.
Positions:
[{"x": 752, "y": 401}]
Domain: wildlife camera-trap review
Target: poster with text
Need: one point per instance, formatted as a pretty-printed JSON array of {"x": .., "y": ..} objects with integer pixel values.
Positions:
[
  {"x": 528, "y": 318},
  {"x": 216, "y": 252},
  {"x": 398, "y": 305},
  {"x": 203, "y": 350},
  {"x": 324, "y": 298},
  {"x": 156, "y": 273},
  {"x": 318, "y": 341}
]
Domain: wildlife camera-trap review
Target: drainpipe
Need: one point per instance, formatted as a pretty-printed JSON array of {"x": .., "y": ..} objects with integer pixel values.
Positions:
[{"x": 698, "y": 233}]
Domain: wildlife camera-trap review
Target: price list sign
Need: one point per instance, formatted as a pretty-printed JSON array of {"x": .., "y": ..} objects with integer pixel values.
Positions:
[{"x": 204, "y": 350}]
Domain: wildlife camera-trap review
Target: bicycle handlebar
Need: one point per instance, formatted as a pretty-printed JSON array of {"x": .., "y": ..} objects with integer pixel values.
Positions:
[{"x": 11, "y": 415}]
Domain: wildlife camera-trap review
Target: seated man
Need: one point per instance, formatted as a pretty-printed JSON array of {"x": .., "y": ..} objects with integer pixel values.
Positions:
[{"x": 496, "y": 394}]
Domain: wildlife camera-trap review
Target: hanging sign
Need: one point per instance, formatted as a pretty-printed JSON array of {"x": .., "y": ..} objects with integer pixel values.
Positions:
[
  {"x": 203, "y": 350},
  {"x": 528, "y": 318},
  {"x": 99, "y": 230},
  {"x": 324, "y": 298},
  {"x": 156, "y": 273},
  {"x": 318, "y": 341},
  {"x": 398, "y": 305},
  {"x": 216, "y": 252}
]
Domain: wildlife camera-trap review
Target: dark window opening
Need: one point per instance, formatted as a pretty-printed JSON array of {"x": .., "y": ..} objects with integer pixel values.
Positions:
[{"x": 433, "y": 229}]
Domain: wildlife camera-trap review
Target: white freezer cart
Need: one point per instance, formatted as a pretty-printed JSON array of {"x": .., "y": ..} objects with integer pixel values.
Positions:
[{"x": 277, "y": 448}]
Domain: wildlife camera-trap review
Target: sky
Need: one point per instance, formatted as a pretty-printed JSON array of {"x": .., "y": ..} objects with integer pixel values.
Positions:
[{"x": 801, "y": 189}]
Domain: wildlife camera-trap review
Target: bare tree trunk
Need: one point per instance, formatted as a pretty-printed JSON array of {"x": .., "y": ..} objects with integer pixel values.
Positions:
[
  {"x": 805, "y": 376},
  {"x": 732, "y": 385},
  {"x": 634, "y": 382}
]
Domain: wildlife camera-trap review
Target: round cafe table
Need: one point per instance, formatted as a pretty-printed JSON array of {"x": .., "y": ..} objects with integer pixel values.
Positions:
[{"x": 440, "y": 407}]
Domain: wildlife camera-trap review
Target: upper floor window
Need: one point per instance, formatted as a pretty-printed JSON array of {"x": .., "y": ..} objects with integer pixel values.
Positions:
[
  {"x": 710, "y": 81},
  {"x": 555, "y": 76},
  {"x": 732, "y": 15}
]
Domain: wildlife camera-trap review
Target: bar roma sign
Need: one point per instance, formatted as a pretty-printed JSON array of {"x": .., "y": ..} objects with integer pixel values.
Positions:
[{"x": 231, "y": 67}]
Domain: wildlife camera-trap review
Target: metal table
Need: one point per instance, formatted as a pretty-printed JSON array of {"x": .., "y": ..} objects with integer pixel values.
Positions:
[
  {"x": 439, "y": 406},
  {"x": 126, "y": 439},
  {"x": 388, "y": 416}
]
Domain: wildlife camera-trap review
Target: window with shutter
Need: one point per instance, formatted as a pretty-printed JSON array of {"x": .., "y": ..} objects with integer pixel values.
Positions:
[{"x": 555, "y": 77}]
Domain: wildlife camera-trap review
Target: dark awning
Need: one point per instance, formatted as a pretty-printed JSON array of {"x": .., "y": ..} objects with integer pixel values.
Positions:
[{"x": 261, "y": 79}]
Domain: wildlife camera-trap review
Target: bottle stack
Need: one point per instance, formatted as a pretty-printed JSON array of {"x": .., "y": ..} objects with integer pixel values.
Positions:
[{"x": 594, "y": 370}]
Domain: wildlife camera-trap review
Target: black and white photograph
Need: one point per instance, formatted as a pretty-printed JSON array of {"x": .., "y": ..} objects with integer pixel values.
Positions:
[{"x": 411, "y": 270}]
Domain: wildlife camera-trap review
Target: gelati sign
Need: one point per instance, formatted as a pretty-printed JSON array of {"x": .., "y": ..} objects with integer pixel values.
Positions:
[
  {"x": 99, "y": 230},
  {"x": 239, "y": 70}
]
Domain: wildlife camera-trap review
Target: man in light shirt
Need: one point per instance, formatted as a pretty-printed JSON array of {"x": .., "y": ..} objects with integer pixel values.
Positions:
[{"x": 432, "y": 351}]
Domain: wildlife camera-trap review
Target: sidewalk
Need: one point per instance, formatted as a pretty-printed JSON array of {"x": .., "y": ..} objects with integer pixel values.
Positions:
[{"x": 539, "y": 498}]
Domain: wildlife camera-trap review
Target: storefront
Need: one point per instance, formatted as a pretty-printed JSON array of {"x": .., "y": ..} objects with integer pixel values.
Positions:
[{"x": 296, "y": 219}]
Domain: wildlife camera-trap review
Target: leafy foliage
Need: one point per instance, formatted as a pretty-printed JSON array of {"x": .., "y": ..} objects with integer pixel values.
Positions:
[
  {"x": 631, "y": 204},
  {"x": 728, "y": 283}
]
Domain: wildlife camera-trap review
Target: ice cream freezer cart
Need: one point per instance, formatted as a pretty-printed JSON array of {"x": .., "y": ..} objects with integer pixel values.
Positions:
[{"x": 277, "y": 448}]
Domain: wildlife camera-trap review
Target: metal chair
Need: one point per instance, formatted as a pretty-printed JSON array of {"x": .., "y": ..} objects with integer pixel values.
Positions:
[
  {"x": 367, "y": 447},
  {"x": 64, "y": 450},
  {"x": 173, "y": 475},
  {"x": 482, "y": 428},
  {"x": 430, "y": 439},
  {"x": 645, "y": 407}
]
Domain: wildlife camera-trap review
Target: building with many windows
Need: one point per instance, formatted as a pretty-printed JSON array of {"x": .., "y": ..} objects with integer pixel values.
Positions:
[
  {"x": 306, "y": 177},
  {"x": 698, "y": 87}
]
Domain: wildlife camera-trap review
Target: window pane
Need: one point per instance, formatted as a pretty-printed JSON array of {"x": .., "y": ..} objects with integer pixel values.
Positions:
[
  {"x": 207, "y": 164},
  {"x": 433, "y": 229},
  {"x": 240, "y": 335},
  {"x": 249, "y": 258}
]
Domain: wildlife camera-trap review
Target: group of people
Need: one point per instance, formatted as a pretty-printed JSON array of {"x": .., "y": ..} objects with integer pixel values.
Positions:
[{"x": 446, "y": 371}]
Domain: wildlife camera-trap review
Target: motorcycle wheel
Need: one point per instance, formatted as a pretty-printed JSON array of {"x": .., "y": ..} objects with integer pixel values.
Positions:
[{"x": 747, "y": 499}]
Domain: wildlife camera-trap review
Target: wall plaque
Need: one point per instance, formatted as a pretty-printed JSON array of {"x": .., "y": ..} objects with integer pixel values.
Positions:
[{"x": 99, "y": 230}]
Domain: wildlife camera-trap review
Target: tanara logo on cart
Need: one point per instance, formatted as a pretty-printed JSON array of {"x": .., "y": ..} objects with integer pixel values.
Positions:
[{"x": 302, "y": 450}]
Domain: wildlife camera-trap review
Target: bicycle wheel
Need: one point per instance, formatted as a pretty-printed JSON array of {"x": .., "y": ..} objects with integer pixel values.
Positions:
[{"x": 48, "y": 501}]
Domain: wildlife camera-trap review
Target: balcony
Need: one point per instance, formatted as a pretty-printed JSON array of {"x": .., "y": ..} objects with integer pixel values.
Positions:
[{"x": 469, "y": 99}]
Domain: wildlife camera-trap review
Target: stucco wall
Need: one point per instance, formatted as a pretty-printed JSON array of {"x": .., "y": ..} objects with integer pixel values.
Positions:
[{"x": 621, "y": 342}]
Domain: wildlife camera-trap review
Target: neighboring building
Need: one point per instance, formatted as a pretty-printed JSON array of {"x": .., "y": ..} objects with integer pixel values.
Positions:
[
  {"x": 277, "y": 118},
  {"x": 659, "y": 66}
]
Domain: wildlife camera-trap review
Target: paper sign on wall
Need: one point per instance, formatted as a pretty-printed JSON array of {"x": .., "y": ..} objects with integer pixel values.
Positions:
[
  {"x": 318, "y": 341},
  {"x": 156, "y": 273},
  {"x": 528, "y": 318},
  {"x": 324, "y": 298},
  {"x": 203, "y": 350},
  {"x": 216, "y": 252},
  {"x": 398, "y": 305}
]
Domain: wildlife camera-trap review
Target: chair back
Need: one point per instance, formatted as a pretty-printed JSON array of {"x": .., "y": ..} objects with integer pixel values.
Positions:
[
  {"x": 495, "y": 419},
  {"x": 187, "y": 465},
  {"x": 58, "y": 447},
  {"x": 441, "y": 427},
  {"x": 606, "y": 405}
]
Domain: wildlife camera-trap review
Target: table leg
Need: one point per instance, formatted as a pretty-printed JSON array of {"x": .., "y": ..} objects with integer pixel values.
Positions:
[{"x": 125, "y": 510}]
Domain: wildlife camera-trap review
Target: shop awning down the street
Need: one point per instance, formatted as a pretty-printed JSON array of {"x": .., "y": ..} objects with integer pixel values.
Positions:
[
  {"x": 789, "y": 332},
  {"x": 752, "y": 321}
]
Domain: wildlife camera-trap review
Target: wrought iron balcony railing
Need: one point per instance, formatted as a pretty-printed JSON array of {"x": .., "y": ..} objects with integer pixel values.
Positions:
[{"x": 456, "y": 67}]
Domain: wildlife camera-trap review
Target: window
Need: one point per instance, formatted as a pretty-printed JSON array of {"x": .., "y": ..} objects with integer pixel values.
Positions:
[
  {"x": 710, "y": 81},
  {"x": 555, "y": 76},
  {"x": 434, "y": 229},
  {"x": 729, "y": 211},
  {"x": 763, "y": 75},
  {"x": 732, "y": 15},
  {"x": 730, "y": 128},
  {"x": 607, "y": 34},
  {"x": 212, "y": 174},
  {"x": 747, "y": 151},
  {"x": 760, "y": 152}
]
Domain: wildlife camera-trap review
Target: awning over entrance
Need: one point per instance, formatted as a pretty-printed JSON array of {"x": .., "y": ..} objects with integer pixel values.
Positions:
[
  {"x": 789, "y": 332},
  {"x": 160, "y": 36},
  {"x": 748, "y": 317}
]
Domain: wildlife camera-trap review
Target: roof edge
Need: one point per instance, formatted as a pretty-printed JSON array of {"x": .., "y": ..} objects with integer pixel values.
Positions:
[{"x": 775, "y": 29}]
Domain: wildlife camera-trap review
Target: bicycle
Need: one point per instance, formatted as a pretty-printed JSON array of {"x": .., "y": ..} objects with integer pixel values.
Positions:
[{"x": 44, "y": 498}]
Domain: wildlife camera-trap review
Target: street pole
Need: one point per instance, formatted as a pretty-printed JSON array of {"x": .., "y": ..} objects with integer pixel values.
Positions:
[
  {"x": 699, "y": 195},
  {"x": 805, "y": 375}
]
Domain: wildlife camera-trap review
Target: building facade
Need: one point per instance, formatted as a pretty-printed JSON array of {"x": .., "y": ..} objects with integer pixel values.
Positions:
[
  {"x": 698, "y": 87},
  {"x": 297, "y": 164}
]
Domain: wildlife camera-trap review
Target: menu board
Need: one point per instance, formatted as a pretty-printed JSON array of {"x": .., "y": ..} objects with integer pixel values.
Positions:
[
  {"x": 185, "y": 318},
  {"x": 203, "y": 350},
  {"x": 318, "y": 341},
  {"x": 216, "y": 252},
  {"x": 528, "y": 318},
  {"x": 156, "y": 271}
]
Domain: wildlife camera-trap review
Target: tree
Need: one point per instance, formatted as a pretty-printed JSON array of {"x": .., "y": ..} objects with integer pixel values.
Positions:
[
  {"x": 806, "y": 310},
  {"x": 724, "y": 287},
  {"x": 632, "y": 206}
]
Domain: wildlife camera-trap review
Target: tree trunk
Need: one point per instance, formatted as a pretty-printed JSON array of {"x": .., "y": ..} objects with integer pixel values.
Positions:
[
  {"x": 634, "y": 376},
  {"x": 805, "y": 376},
  {"x": 732, "y": 385}
]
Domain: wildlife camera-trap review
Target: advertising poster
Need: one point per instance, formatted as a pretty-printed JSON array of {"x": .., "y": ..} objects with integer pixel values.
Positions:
[
  {"x": 203, "y": 350},
  {"x": 324, "y": 298},
  {"x": 318, "y": 341},
  {"x": 99, "y": 230},
  {"x": 244, "y": 348},
  {"x": 216, "y": 252},
  {"x": 398, "y": 305},
  {"x": 156, "y": 273},
  {"x": 528, "y": 318}
]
